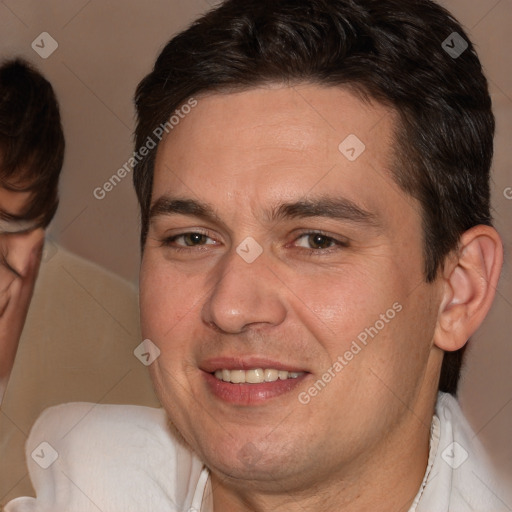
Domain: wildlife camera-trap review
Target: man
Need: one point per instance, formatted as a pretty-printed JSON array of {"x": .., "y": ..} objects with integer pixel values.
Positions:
[
  {"x": 317, "y": 251},
  {"x": 31, "y": 156},
  {"x": 78, "y": 338}
]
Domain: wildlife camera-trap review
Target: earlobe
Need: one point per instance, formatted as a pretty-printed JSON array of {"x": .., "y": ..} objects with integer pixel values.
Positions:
[{"x": 470, "y": 279}]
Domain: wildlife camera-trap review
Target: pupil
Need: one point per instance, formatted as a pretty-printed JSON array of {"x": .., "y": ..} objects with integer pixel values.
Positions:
[
  {"x": 320, "y": 241},
  {"x": 195, "y": 238}
]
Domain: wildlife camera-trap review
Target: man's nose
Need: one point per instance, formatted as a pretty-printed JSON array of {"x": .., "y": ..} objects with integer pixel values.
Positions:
[
  {"x": 245, "y": 294},
  {"x": 23, "y": 250}
]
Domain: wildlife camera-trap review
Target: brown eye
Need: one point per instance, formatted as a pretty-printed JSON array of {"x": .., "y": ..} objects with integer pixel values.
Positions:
[
  {"x": 317, "y": 241},
  {"x": 192, "y": 239}
]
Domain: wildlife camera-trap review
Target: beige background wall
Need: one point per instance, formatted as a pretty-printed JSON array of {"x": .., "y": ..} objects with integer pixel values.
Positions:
[{"x": 106, "y": 47}]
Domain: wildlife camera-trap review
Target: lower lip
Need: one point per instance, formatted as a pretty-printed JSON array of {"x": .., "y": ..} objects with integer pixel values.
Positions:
[{"x": 250, "y": 394}]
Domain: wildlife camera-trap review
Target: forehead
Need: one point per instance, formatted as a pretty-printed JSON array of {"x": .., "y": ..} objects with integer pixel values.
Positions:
[{"x": 266, "y": 143}]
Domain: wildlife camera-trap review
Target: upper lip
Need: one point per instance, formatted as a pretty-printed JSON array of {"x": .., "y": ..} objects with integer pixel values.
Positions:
[{"x": 246, "y": 363}]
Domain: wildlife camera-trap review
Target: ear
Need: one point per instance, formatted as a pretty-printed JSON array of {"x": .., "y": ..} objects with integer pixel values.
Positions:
[{"x": 470, "y": 278}]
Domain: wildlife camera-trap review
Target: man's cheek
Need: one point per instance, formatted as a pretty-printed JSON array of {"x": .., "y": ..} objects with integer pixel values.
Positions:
[
  {"x": 334, "y": 313},
  {"x": 157, "y": 297}
]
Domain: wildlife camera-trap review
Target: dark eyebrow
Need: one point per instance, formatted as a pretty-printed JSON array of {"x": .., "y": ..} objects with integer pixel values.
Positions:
[
  {"x": 10, "y": 217},
  {"x": 11, "y": 188},
  {"x": 170, "y": 206},
  {"x": 329, "y": 207}
]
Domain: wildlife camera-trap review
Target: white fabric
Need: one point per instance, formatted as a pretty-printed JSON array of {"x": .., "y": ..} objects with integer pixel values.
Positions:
[
  {"x": 458, "y": 476},
  {"x": 77, "y": 346},
  {"x": 123, "y": 458}
]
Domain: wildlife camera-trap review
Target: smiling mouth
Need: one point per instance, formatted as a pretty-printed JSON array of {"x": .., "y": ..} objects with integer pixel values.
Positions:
[{"x": 255, "y": 375}]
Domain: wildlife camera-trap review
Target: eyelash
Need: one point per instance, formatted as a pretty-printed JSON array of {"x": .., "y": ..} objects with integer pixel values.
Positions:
[
  {"x": 312, "y": 252},
  {"x": 337, "y": 244}
]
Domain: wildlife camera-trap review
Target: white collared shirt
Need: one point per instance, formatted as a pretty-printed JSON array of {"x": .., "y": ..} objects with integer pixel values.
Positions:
[{"x": 89, "y": 457}]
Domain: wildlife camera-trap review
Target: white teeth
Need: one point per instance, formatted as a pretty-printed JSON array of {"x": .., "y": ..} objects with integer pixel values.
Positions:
[
  {"x": 255, "y": 376},
  {"x": 271, "y": 375},
  {"x": 237, "y": 376}
]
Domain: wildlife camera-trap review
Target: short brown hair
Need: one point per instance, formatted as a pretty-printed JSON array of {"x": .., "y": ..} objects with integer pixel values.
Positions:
[{"x": 31, "y": 138}]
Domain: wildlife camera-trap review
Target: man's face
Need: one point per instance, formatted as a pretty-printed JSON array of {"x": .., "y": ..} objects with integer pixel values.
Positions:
[
  {"x": 20, "y": 254},
  {"x": 341, "y": 258}
]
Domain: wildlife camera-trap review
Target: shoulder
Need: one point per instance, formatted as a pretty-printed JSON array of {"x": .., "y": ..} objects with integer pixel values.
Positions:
[
  {"x": 73, "y": 427},
  {"x": 84, "y": 456}
]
